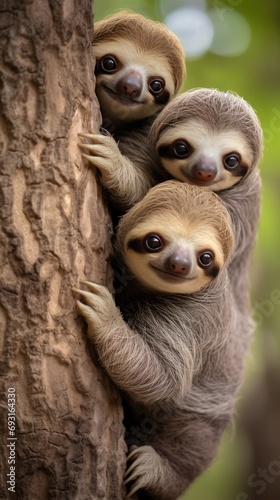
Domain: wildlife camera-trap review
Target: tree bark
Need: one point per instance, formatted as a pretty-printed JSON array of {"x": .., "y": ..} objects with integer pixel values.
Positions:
[{"x": 61, "y": 418}]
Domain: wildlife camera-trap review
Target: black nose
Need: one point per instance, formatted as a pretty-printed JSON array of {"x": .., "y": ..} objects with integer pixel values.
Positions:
[
  {"x": 204, "y": 171},
  {"x": 178, "y": 263},
  {"x": 130, "y": 85}
]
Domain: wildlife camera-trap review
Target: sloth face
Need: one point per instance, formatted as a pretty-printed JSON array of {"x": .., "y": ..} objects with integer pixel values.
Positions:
[
  {"x": 194, "y": 153},
  {"x": 130, "y": 84},
  {"x": 170, "y": 254}
]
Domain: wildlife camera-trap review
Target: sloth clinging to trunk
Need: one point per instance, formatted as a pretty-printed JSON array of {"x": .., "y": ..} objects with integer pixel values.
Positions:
[
  {"x": 140, "y": 67},
  {"x": 177, "y": 350}
]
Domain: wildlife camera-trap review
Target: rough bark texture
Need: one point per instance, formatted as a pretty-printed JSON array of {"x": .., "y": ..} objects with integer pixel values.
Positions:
[{"x": 55, "y": 231}]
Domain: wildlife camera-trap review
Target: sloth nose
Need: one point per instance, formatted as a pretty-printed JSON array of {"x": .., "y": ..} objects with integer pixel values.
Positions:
[
  {"x": 204, "y": 171},
  {"x": 178, "y": 263},
  {"x": 130, "y": 85}
]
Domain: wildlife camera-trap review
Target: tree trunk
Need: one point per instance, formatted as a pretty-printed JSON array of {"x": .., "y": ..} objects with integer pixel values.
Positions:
[{"x": 61, "y": 418}]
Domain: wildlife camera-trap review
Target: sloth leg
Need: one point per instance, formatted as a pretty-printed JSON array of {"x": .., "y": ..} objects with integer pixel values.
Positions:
[
  {"x": 180, "y": 450},
  {"x": 147, "y": 470}
]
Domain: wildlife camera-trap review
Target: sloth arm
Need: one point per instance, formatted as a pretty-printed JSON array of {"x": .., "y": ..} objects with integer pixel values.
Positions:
[
  {"x": 127, "y": 358},
  {"x": 127, "y": 176}
]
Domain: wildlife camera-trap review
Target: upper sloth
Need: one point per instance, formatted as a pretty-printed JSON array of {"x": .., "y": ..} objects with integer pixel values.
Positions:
[
  {"x": 139, "y": 67},
  {"x": 207, "y": 138}
]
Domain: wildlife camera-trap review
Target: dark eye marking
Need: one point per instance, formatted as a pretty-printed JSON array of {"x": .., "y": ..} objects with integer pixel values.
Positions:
[
  {"x": 206, "y": 260},
  {"x": 178, "y": 149},
  {"x": 214, "y": 271},
  {"x": 151, "y": 243},
  {"x": 156, "y": 86},
  {"x": 233, "y": 163},
  {"x": 182, "y": 149},
  {"x": 107, "y": 64},
  {"x": 162, "y": 98}
]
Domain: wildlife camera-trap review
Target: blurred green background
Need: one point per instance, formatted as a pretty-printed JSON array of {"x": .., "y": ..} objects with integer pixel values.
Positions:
[{"x": 248, "y": 465}]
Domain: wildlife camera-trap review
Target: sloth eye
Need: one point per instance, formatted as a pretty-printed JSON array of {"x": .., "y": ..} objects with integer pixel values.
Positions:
[
  {"x": 156, "y": 85},
  {"x": 153, "y": 243},
  {"x": 181, "y": 149},
  {"x": 205, "y": 259},
  {"x": 232, "y": 161},
  {"x": 108, "y": 64}
]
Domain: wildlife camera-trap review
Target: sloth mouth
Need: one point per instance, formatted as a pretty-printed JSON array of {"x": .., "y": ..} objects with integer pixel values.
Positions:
[
  {"x": 169, "y": 276},
  {"x": 121, "y": 97}
]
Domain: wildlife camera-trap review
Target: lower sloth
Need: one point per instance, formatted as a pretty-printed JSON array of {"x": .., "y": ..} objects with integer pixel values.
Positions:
[{"x": 175, "y": 341}]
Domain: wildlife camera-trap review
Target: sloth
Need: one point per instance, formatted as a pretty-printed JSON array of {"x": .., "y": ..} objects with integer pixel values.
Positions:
[
  {"x": 174, "y": 340},
  {"x": 140, "y": 67}
]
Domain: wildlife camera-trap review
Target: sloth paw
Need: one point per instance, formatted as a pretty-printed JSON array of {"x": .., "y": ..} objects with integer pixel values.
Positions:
[
  {"x": 99, "y": 309},
  {"x": 104, "y": 153},
  {"x": 145, "y": 470}
]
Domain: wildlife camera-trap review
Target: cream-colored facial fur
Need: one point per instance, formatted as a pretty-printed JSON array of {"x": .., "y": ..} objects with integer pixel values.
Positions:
[
  {"x": 179, "y": 234},
  {"x": 132, "y": 58},
  {"x": 207, "y": 146}
]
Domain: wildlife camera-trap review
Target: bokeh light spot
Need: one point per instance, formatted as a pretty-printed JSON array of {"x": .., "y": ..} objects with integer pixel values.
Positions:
[
  {"x": 194, "y": 28},
  {"x": 232, "y": 33}
]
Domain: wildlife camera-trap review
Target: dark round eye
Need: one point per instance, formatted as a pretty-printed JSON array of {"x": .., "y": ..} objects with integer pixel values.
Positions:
[
  {"x": 205, "y": 259},
  {"x": 153, "y": 243},
  {"x": 231, "y": 161},
  {"x": 108, "y": 64},
  {"x": 181, "y": 149},
  {"x": 156, "y": 85}
]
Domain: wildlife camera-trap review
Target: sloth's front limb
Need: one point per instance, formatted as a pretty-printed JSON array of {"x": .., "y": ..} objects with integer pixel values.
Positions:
[
  {"x": 125, "y": 182},
  {"x": 125, "y": 355}
]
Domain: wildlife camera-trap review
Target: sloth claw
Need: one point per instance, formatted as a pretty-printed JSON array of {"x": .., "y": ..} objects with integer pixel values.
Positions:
[
  {"x": 98, "y": 307},
  {"x": 144, "y": 470},
  {"x": 88, "y": 136},
  {"x": 97, "y": 292}
]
